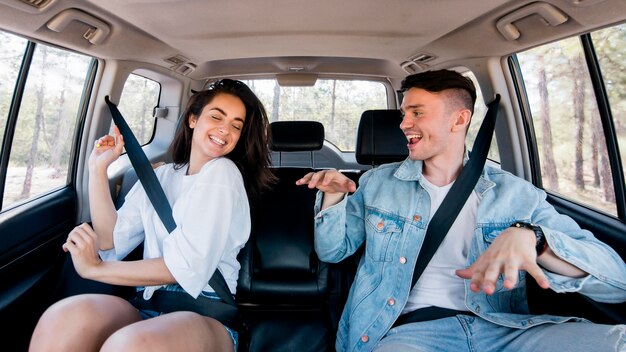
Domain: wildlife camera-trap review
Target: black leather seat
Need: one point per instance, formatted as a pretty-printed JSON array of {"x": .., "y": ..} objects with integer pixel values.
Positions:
[
  {"x": 283, "y": 288},
  {"x": 379, "y": 138}
]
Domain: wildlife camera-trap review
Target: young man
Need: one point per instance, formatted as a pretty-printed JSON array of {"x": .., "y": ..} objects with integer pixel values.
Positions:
[{"x": 478, "y": 273}]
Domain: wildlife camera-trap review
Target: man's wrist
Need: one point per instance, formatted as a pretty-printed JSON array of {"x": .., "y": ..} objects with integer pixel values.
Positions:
[
  {"x": 330, "y": 199},
  {"x": 541, "y": 244}
]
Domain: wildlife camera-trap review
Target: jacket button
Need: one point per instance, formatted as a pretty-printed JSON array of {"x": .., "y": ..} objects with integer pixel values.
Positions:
[
  {"x": 391, "y": 301},
  {"x": 417, "y": 217},
  {"x": 380, "y": 225},
  {"x": 365, "y": 338},
  {"x": 402, "y": 260}
]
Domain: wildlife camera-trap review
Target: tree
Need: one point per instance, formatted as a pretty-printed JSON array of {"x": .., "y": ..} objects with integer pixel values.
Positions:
[
  {"x": 32, "y": 155},
  {"x": 578, "y": 93},
  {"x": 550, "y": 174}
]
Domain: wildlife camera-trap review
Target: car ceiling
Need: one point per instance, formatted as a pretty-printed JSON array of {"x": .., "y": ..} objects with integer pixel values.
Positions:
[{"x": 356, "y": 37}]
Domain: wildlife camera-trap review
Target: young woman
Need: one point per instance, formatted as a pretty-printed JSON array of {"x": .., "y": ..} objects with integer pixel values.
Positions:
[{"x": 220, "y": 158}]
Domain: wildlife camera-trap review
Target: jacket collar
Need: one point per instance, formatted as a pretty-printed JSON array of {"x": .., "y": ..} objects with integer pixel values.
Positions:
[{"x": 411, "y": 170}]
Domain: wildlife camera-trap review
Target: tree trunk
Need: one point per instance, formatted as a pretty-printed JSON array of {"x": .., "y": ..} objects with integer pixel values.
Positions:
[
  {"x": 595, "y": 158},
  {"x": 61, "y": 132},
  {"x": 332, "y": 110},
  {"x": 579, "y": 121},
  {"x": 32, "y": 155},
  {"x": 275, "y": 102},
  {"x": 550, "y": 175}
]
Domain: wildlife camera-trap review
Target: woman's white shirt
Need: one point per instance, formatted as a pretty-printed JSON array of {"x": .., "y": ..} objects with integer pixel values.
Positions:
[{"x": 213, "y": 216}]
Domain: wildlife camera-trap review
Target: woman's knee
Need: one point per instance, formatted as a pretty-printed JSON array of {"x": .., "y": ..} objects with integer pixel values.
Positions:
[{"x": 86, "y": 319}]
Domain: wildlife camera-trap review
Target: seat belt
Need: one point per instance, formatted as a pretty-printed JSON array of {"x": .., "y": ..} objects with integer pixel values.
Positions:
[
  {"x": 155, "y": 192},
  {"x": 453, "y": 202}
]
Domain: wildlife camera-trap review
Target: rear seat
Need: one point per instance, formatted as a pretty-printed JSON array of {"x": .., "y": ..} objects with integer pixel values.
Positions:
[{"x": 283, "y": 290}]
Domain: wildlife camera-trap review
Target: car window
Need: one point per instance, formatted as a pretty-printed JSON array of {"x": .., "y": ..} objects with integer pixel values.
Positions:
[
  {"x": 571, "y": 143},
  {"x": 610, "y": 47},
  {"x": 11, "y": 53},
  {"x": 45, "y": 117},
  {"x": 337, "y": 104},
  {"x": 139, "y": 98},
  {"x": 480, "y": 109}
]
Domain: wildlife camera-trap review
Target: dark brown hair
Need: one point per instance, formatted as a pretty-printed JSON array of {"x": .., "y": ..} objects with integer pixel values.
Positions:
[
  {"x": 460, "y": 88},
  {"x": 251, "y": 154}
]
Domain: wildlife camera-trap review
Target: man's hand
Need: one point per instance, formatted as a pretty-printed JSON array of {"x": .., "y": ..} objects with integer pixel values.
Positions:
[
  {"x": 333, "y": 183},
  {"x": 82, "y": 243},
  {"x": 513, "y": 250}
]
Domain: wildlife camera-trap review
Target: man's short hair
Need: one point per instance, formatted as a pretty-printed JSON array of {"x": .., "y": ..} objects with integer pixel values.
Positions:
[{"x": 462, "y": 88}]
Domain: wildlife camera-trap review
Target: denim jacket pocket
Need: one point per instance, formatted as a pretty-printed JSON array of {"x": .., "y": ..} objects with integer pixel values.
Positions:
[{"x": 383, "y": 233}]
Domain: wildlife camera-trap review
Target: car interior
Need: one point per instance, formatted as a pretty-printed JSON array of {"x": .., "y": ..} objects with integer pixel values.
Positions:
[{"x": 329, "y": 75}]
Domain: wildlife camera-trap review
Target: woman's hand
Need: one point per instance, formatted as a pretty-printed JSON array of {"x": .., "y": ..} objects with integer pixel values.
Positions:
[
  {"x": 82, "y": 243},
  {"x": 107, "y": 149}
]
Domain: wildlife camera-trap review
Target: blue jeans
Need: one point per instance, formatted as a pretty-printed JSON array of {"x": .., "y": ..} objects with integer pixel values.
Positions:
[{"x": 470, "y": 333}]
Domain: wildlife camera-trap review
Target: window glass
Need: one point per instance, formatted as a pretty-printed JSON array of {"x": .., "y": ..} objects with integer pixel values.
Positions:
[
  {"x": 337, "y": 104},
  {"x": 11, "y": 54},
  {"x": 139, "y": 98},
  {"x": 610, "y": 46},
  {"x": 570, "y": 142},
  {"x": 41, "y": 148},
  {"x": 480, "y": 110}
]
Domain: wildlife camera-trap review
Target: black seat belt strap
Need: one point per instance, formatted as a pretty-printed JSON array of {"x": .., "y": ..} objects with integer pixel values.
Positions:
[
  {"x": 155, "y": 192},
  {"x": 459, "y": 192}
]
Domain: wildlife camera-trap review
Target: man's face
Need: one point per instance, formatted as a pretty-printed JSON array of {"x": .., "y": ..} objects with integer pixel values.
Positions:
[{"x": 427, "y": 124}]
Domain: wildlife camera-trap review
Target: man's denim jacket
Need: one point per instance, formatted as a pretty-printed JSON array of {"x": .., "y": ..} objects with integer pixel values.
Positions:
[{"x": 390, "y": 212}]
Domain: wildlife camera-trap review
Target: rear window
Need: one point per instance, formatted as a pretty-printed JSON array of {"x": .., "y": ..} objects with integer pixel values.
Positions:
[{"x": 337, "y": 104}]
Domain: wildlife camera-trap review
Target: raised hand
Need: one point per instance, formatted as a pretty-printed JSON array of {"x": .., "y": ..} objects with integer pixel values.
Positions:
[
  {"x": 328, "y": 181},
  {"x": 513, "y": 250},
  {"x": 106, "y": 150},
  {"x": 82, "y": 243}
]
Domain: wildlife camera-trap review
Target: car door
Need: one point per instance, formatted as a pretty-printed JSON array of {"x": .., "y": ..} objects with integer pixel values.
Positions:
[
  {"x": 43, "y": 95},
  {"x": 572, "y": 93}
]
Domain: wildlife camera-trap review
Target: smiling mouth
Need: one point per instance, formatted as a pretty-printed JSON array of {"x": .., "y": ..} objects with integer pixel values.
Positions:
[
  {"x": 413, "y": 138},
  {"x": 217, "y": 140}
]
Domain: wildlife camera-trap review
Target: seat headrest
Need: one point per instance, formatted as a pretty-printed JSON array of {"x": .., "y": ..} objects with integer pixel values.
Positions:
[
  {"x": 296, "y": 136},
  {"x": 379, "y": 138}
]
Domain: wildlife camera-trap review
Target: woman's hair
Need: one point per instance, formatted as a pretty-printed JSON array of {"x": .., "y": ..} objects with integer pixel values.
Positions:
[{"x": 251, "y": 154}]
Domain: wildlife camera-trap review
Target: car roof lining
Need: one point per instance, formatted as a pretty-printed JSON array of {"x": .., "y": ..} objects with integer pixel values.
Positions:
[{"x": 246, "y": 37}]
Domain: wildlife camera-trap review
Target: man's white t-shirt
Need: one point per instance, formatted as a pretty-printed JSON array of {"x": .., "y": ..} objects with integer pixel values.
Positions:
[
  {"x": 213, "y": 216},
  {"x": 439, "y": 285}
]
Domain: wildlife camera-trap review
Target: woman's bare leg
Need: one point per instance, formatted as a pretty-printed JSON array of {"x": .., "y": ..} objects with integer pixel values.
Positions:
[
  {"x": 81, "y": 323},
  {"x": 178, "y": 331}
]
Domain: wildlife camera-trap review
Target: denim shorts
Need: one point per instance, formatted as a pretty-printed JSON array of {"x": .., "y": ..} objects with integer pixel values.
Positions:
[{"x": 147, "y": 314}]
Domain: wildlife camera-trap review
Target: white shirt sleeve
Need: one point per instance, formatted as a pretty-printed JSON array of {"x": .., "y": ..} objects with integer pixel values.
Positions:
[{"x": 206, "y": 219}]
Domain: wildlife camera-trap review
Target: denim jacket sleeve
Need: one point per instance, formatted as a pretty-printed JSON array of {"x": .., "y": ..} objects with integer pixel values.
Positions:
[
  {"x": 606, "y": 279},
  {"x": 340, "y": 229}
]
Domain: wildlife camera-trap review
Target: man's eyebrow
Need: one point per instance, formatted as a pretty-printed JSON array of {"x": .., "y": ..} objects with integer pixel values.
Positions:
[{"x": 411, "y": 107}]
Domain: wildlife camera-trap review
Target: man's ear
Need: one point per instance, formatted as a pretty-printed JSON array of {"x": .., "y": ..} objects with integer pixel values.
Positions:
[{"x": 463, "y": 118}]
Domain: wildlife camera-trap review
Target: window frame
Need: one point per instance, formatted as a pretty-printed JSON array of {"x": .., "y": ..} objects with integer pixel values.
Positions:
[{"x": 606, "y": 118}]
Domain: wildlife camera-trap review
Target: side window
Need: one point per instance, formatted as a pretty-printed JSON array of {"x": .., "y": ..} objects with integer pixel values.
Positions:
[
  {"x": 44, "y": 126},
  {"x": 571, "y": 143},
  {"x": 139, "y": 98},
  {"x": 610, "y": 47},
  {"x": 480, "y": 110},
  {"x": 11, "y": 54}
]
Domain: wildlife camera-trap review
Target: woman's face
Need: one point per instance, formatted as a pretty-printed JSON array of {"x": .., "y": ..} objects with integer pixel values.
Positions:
[{"x": 218, "y": 128}]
